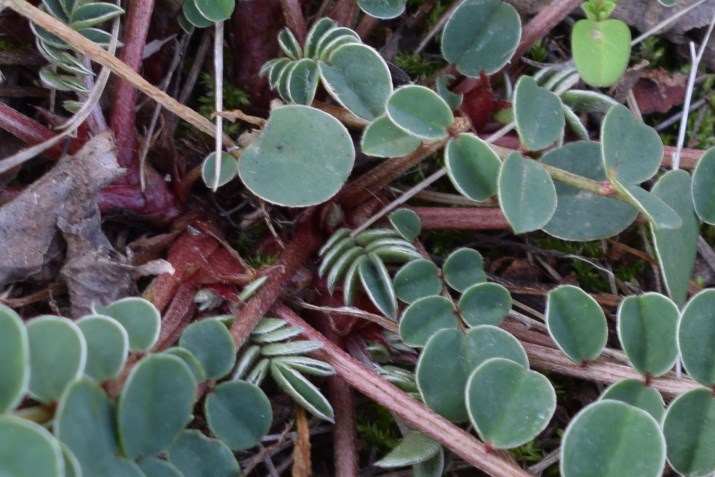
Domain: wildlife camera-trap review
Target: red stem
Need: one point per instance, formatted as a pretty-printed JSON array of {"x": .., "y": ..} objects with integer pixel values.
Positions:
[
  {"x": 465, "y": 218},
  {"x": 30, "y": 131},
  {"x": 345, "y": 12}
]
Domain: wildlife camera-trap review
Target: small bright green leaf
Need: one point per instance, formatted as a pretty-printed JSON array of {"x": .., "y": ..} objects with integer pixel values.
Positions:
[
  {"x": 382, "y": 138},
  {"x": 601, "y": 50},
  {"x": 420, "y": 111},
  {"x": 647, "y": 326},
  {"x": 463, "y": 268},
  {"x": 612, "y": 439},
  {"x": 452, "y": 99},
  {"x": 485, "y": 342},
  {"x": 696, "y": 337},
  {"x": 196, "y": 455},
  {"x": 228, "y": 170},
  {"x": 359, "y": 79},
  {"x": 316, "y": 33},
  {"x": 472, "y": 166},
  {"x": 424, "y": 318},
  {"x": 139, "y": 317},
  {"x": 155, "y": 467},
  {"x": 636, "y": 393},
  {"x": 417, "y": 279},
  {"x": 107, "y": 346},
  {"x": 212, "y": 344},
  {"x": 15, "y": 359},
  {"x": 703, "y": 186},
  {"x": 538, "y": 113},
  {"x": 302, "y": 158},
  {"x": 658, "y": 213},
  {"x": 689, "y": 429},
  {"x": 407, "y": 223},
  {"x": 303, "y": 81},
  {"x": 302, "y": 391},
  {"x": 155, "y": 405},
  {"x": 414, "y": 448},
  {"x": 378, "y": 285},
  {"x": 287, "y": 41},
  {"x": 215, "y": 10},
  {"x": 238, "y": 413},
  {"x": 527, "y": 194},
  {"x": 481, "y": 35},
  {"x": 190, "y": 360},
  {"x": 576, "y": 323},
  {"x": 484, "y": 304},
  {"x": 28, "y": 450},
  {"x": 507, "y": 403},
  {"x": 58, "y": 354},
  {"x": 383, "y": 9}
]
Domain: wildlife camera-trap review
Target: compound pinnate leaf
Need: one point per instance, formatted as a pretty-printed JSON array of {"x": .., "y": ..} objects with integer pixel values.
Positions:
[
  {"x": 211, "y": 343},
  {"x": 107, "y": 346},
  {"x": 576, "y": 323},
  {"x": 689, "y": 429},
  {"x": 302, "y": 391},
  {"x": 383, "y": 9},
  {"x": 155, "y": 405},
  {"x": 484, "y": 304},
  {"x": 414, "y": 448},
  {"x": 601, "y": 50},
  {"x": 215, "y": 10},
  {"x": 28, "y": 450},
  {"x": 696, "y": 337},
  {"x": 538, "y": 113},
  {"x": 647, "y": 327},
  {"x": 227, "y": 171},
  {"x": 238, "y": 413},
  {"x": 417, "y": 279},
  {"x": 302, "y": 158},
  {"x": 481, "y": 35},
  {"x": 507, "y": 403},
  {"x": 155, "y": 467},
  {"x": 703, "y": 185},
  {"x": 382, "y": 138},
  {"x": 472, "y": 166},
  {"x": 15, "y": 359},
  {"x": 196, "y": 455},
  {"x": 424, "y": 318},
  {"x": 407, "y": 223},
  {"x": 420, "y": 111},
  {"x": 636, "y": 393},
  {"x": 377, "y": 284},
  {"x": 139, "y": 317},
  {"x": 463, "y": 268},
  {"x": 612, "y": 439}
]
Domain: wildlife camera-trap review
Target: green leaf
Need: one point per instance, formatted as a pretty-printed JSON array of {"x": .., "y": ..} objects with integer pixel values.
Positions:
[
  {"x": 302, "y": 158},
  {"x": 636, "y": 393},
  {"x": 407, "y": 223},
  {"x": 696, "y": 337},
  {"x": 227, "y": 170},
  {"x": 28, "y": 450},
  {"x": 472, "y": 166},
  {"x": 196, "y": 455},
  {"x": 359, "y": 79},
  {"x": 155, "y": 405},
  {"x": 289, "y": 44},
  {"x": 420, "y": 112},
  {"x": 703, "y": 185},
  {"x": 507, "y": 403},
  {"x": 417, "y": 279},
  {"x": 538, "y": 113},
  {"x": 576, "y": 323},
  {"x": 583, "y": 215},
  {"x": 378, "y": 285},
  {"x": 155, "y": 467},
  {"x": 424, "y": 318},
  {"x": 612, "y": 439},
  {"x": 215, "y": 10},
  {"x": 58, "y": 354},
  {"x": 431, "y": 467},
  {"x": 303, "y": 81},
  {"x": 382, "y": 138},
  {"x": 276, "y": 72},
  {"x": 72, "y": 466},
  {"x": 383, "y": 9},
  {"x": 55, "y": 8},
  {"x": 632, "y": 151},
  {"x": 414, "y": 448},
  {"x": 574, "y": 123},
  {"x": 212, "y": 344},
  {"x": 302, "y": 391},
  {"x": 689, "y": 429},
  {"x": 317, "y": 31},
  {"x": 484, "y": 304},
  {"x": 352, "y": 279},
  {"x": 194, "y": 16},
  {"x": 486, "y": 342},
  {"x": 15, "y": 359},
  {"x": 527, "y": 194},
  {"x": 601, "y": 50},
  {"x": 585, "y": 101},
  {"x": 290, "y": 348},
  {"x": 481, "y": 35},
  {"x": 658, "y": 213},
  {"x": 189, "y": 360},
  {"x": 647, "y": 326},
  {"x": 238, "y": 413},
  {"x": 92, "y": 14},
  {"x": 452, "y": 99},
  {"x": 100, "y": 37},
  {"x": 107, "y": 346},
  {"x": 463, "y": 268},
  {"x": 139, "y": 317},
  {"x": 333, "y": 39},
  {"x": 306, "y": 365}
]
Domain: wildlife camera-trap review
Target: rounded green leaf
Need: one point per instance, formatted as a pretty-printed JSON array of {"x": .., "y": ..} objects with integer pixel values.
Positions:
[
  {"x": 420, "y": 111},
  {"x": 481, "y": 35},
  {"x": 636, "y": 393},
  {"x": 632, "y": 151},
  {"x": 378, "y": 285},
  {"x": 659, "y": 214},
  {"x": 107, "y": 346},
  {"x": 238, "y": 413},
  {"x": 463, "y": 268},
  {"x": 302, "y": 158},
  {"x": 601, "y": 50},
  {"x": 302, "y": 391},
  {"x": 689, "y": 429},
  {"x": 472, "y": 166},
  {"x": 227, "y": 171},
  {"x": 58, "y": 354},
  {"x": 417, "y": 279},
  {"x": 215, "y": 10},
  {"x": 190, "y": 360},
  {"x": 647, "y": 326},
  {"x": 155, "y": 467},
  {"x": 406, "y": 222},
  {"x": 194, "y": 16},
  {"x": 486, "y": 342},
  {"x": 139, "y": 317},
  {"x": 155, "y": 405},
  {"x": 303, "y": 81},
  {"x": 538, "y": 113},
  {"x": 212, "y": 344},
  {"x": 359, "y": 79},
  {"x": 703, "y": 186},
  {"x": 383, "y": 9},
  {"x": 196, "y": 455},
  {"x": 28, "y": 450},
  {"x": 582, "y": 215},
  {"x": 484, "y": 304},
  {"x": 696, "y": 337},
  {"x": 414, "y": 448},
  {"x": 425, "y": 317},
  {"x": 15, "y": 359},
  {"x": 382, "y": 138},
  {"x": 527, "y": 194},
  {"x": 72, "y": 466},
  {"x": 507, "y": 403},
  {"x": 612, "y": 439},
  {"x": 576, "y": 323}
]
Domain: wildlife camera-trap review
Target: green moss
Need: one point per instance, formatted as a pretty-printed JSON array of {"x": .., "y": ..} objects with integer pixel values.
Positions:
[
  {"x": 377, "y": 428},
  {"x": 233, "y": 98},
  {"x": 417, "y": 66}
]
